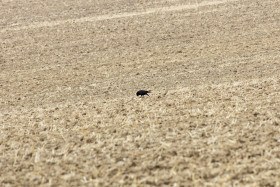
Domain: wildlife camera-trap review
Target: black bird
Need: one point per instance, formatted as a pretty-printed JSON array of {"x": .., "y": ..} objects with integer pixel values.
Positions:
[{"x": 143, "y": 92}]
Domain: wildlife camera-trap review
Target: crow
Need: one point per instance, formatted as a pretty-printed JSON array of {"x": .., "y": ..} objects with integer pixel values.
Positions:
[{"x": 143, "y": 92}]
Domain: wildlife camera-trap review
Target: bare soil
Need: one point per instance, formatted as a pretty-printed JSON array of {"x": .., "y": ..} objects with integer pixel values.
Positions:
[{"x": 70, "y": 70}]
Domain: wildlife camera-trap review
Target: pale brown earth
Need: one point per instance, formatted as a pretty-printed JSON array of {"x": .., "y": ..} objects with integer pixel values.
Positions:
[{"x": 70, "y": 69}]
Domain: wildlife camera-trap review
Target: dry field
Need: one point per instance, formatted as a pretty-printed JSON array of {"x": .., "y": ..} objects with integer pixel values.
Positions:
[{"x": 69, "y": 71}]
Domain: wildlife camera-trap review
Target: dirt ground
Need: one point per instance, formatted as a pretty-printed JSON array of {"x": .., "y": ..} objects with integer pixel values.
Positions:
[{"x": 70, "y": 70}]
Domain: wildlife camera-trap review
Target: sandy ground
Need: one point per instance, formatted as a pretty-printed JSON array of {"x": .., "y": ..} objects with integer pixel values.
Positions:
[{"x": 69, "y": 71}]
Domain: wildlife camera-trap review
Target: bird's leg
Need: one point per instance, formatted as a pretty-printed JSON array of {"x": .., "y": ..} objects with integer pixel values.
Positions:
[{"x": 142, "y": 3}]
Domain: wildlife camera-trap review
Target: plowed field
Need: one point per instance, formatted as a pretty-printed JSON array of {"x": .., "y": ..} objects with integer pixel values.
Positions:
[{"x": 70, "y": 70}]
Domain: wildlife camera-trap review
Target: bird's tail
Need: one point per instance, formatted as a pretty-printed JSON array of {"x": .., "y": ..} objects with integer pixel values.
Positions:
[{"x": 149, "y": 91}]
